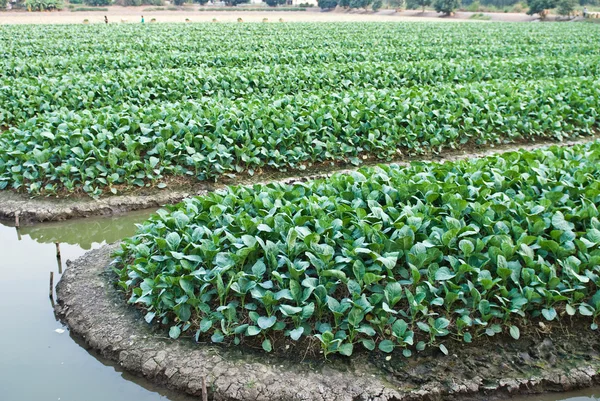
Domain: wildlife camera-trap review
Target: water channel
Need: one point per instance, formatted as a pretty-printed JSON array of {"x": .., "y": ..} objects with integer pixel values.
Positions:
[{"x": 39, "y": 360}]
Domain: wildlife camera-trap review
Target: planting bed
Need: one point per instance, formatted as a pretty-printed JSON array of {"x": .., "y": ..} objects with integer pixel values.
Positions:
[
  {"x": 387, "y": 257},
  {"x": 105, "y": 109},
  {"x": 415, "y": 272}
]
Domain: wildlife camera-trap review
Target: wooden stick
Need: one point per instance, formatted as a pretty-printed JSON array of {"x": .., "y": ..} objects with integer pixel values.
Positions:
[
  {"x": 59, "y": 261},
  {"x": 51, "y": 289},
  {"x": 17, "y": 222},
  {"x": 204, "y": 392},
  {"x": 57, "y": 249}
]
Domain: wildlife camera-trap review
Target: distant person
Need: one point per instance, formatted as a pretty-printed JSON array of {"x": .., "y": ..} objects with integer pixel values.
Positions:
[
  {"x": 142, "y": 19},
  {"x": 584, "y": 12},
  {"x": 105, "y": 19}
]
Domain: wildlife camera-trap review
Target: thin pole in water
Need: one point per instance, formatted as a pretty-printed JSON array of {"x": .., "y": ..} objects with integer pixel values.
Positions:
[
  {"x": 17, "y": 223},
  {"x": 57, "y": 249},
  {"x": 51, "y": 289}
]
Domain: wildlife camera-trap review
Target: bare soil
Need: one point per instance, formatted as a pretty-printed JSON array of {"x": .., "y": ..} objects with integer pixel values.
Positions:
[{"x": 117, "y": 14}]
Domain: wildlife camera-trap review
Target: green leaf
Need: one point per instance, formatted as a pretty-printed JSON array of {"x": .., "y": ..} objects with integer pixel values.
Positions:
[
  {"x": 549, "y": 313},
  {"x": 252, "y": 331},
  {"x": 386, "y": 346},
  {"x": 444, "y": 274},
  {"x": 266, "y": 345},
  {"x": 368, "y": 343},
  {"x": 174, "y": 332},
  {"x": 296, "y": 333},
  {"x": 515, "y": 332},
  {"x": 205, "y": 325},
  {"x": 173, "y": 240},
  {"x": 346, "y": 349},
  {"x": 266, "y": 322}
]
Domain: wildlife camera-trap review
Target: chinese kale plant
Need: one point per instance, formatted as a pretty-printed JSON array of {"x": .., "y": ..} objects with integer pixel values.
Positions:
[
  {"x": 102, "y": 111},
  {"x": 384, "y": 258}
]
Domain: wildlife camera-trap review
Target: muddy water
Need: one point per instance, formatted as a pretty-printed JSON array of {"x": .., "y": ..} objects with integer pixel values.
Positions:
[{"x": 38, "y": 361}]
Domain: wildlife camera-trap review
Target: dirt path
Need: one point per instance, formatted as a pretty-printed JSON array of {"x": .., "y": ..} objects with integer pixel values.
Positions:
[{"x": 118, "y": 14}]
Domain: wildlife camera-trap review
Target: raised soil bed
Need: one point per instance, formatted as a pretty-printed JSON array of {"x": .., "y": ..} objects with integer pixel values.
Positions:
[{"x": 558, "y": 358}]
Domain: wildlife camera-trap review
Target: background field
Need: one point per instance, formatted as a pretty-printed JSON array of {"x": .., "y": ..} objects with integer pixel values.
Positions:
[{"x": 133, "y": 14}]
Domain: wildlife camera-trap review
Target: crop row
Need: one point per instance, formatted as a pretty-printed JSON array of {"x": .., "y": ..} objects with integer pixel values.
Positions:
[
  {"x": 25, "y": 97},
  {"x": 386, "y": 257},
  {"x": 205, "y": 138},
  {"x": 59, "y": 64},
  {"x": 308, "y": 36}
]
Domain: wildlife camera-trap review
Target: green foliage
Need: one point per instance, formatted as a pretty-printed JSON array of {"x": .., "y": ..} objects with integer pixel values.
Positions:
[
  {"x": 396, "y": 4},
  {"x": 566, "y": 7},
  {"x": 179, "y": 2},
  {"x": 377, "y": 5},
  {"x": 445, "y": 6},
  {"x": 44, "y": 5},
  {"x": 359, "y": 3},
  {"x": 98, "y": 2},
  {"x": 77, "y": 9},
  {"x": 387, "y": 257},
  {"x": 480, "y": 16},
  {"x": 414, "y": 4},
  {"x": 236, "y": 2},
  {"x": 540, "y": 6},
  {"x": 100, "y": 116},
  {"x": 3, "y": 4},
  {"x": 327, "y": 4},
  {"x": 275, "y": 3}
]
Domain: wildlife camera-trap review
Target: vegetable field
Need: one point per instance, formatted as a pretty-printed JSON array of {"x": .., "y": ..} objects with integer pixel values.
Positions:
[
  {"x": 386, "y": 257},
  {"x": 105, "y": 109}
]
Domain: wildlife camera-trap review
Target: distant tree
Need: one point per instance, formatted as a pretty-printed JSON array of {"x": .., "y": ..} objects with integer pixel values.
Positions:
[
  {"x": 201, "y": 2},
  {"x": 274, "y": 3},
  {"x": 344, "y": 3},
  {"x": 414, "y": 4},
  {"x": 446, "y": 7},
  {"x": 396, "y": 4},
  {"x": 98, "y": 2},
  {"x": 235, "y": 2},
  {"x": 376, "y": 5},
  {"x": 327, "y": 4},
  {"x": 566, "y": 7},
  {"x": 540, "y": 6},
  {"x": 179, "y": 2},
  {"x": 3, "y": 4},
  {"x": 360, "y": 3}
]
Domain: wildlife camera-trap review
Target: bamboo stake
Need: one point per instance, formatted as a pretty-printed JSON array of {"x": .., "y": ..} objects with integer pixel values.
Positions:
[
  {"x": 51, "y": 289},
  {"x": 59, "y": 261},
  {"x": 57, "y": 249},
  {"x": 17, "y": 222}
]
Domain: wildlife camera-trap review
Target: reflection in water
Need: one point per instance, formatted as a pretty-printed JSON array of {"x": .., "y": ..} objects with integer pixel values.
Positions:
[
  {"x": 590, "y": 394},
  {"x": 33, "y": 351},
  {"x": 85, "y": 232},
  {"x": 39, "y": 360}
]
